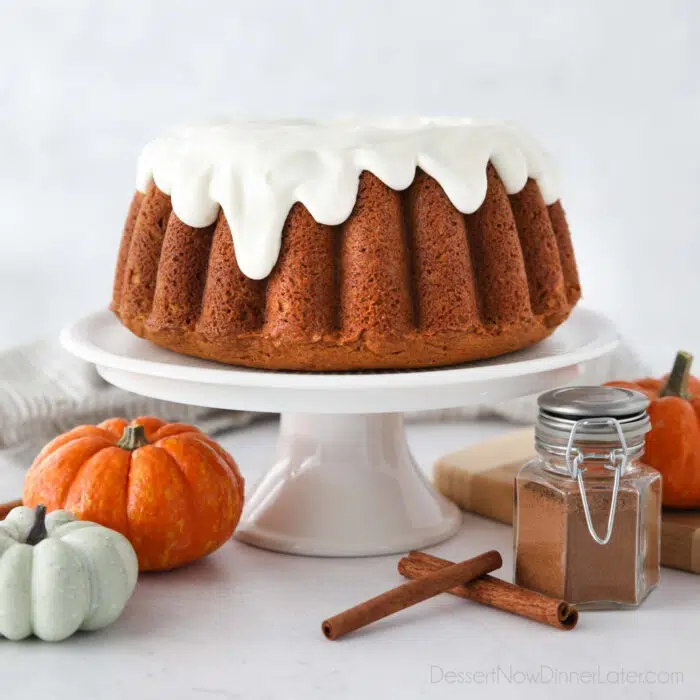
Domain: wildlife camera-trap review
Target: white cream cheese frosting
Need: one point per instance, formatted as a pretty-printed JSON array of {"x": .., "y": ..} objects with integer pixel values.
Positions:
[{"x": 256, "y": 171}]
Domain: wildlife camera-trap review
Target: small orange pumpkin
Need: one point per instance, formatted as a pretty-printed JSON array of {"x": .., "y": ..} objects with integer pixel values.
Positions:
[
  {"x": 673, "y": 445},
  {"x": 170, "y": 489}
]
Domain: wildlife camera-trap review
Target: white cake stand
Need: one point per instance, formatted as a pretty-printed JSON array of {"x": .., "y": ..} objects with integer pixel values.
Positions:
[{"x": 345, "y": 482}]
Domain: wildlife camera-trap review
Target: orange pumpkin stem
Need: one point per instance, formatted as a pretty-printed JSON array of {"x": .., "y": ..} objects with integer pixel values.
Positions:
[
  {"x": 133, "y": 437},
  {"x": 38, "y": 531},
  {"x": 677, "y": 382}
]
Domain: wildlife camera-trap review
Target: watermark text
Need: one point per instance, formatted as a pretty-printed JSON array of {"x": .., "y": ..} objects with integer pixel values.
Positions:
[{"x": 551, "y": 675}]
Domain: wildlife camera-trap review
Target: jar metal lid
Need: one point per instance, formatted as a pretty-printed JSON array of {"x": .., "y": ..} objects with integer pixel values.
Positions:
[
  {"x": 609, "y": 421},
  {"x": 560, "y": 409}
]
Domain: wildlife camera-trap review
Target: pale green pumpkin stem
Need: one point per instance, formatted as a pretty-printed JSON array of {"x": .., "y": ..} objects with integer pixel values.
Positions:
[
  {"x": 677, "y": 382},
  {"x": 133, "y": 437},
  {"x": 38, "y": 531}
]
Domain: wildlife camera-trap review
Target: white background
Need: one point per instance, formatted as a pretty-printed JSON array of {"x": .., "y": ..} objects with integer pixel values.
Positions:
[{"x": 610, "y": 88}]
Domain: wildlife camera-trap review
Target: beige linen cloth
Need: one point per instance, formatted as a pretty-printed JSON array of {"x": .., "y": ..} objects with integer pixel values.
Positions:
[{"x": 44, "y": 391}]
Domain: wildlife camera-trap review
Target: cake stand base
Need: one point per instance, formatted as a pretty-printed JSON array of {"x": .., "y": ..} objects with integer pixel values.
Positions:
[{"x": 345, "y": 485}]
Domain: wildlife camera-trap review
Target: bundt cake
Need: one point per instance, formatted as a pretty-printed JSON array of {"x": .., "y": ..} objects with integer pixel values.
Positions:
[{"x": 345, "y": 246}]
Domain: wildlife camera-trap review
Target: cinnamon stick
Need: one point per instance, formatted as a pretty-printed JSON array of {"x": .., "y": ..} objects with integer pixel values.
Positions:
[
  {"x": 408, "y": 594},
  {"x": 496, "y": 593},
  {"x": 5, "y": 508}
]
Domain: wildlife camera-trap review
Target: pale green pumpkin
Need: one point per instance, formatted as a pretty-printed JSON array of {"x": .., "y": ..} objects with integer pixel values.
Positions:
[{"x": 59, "y": 574}]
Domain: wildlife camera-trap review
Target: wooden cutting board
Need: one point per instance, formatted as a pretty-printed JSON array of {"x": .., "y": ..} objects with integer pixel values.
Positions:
[{"x": 480, "y": 479}]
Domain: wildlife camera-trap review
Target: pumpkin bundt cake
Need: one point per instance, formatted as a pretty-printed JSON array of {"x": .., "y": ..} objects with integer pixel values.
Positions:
[{"x": 345, "y": 246}]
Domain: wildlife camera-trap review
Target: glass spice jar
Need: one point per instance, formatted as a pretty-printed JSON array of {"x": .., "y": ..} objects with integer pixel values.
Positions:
[{"x": 587, "y": 509}]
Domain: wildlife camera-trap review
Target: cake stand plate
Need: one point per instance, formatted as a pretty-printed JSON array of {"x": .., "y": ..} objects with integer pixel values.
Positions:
[{"x": 344, "y": 482}]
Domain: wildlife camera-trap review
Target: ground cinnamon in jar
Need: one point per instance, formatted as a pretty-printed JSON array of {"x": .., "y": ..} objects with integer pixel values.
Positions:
[
  {"x": 558, "y": 556},
  {"x": 557, "y": 551}
]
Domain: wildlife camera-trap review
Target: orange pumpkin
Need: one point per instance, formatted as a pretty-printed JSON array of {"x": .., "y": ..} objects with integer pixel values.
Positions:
[
  {"x": 673, "y": 445},
  {"x": 170, "y": 489}
]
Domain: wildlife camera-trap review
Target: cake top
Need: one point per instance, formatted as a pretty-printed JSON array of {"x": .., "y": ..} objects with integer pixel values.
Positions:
[{"x": 256, "y": 171}]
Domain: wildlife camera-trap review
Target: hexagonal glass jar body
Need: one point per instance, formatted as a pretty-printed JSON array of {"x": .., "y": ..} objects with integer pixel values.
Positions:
[{"x": 555, "y": 552}]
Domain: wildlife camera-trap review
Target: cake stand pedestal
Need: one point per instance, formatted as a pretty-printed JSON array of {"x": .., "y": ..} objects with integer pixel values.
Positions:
[{"x": 344, "y": 482}]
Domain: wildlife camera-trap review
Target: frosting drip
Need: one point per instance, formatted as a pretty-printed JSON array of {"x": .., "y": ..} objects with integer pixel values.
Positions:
[{"x": 256, "y": 171}]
